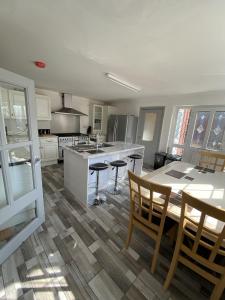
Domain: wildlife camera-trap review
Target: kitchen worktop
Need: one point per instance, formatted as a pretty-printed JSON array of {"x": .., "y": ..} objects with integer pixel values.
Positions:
[
  {"x": 117, "y": 147},
  {"x": 46, "y": 136},
  {"x": 81, "y": 182}
]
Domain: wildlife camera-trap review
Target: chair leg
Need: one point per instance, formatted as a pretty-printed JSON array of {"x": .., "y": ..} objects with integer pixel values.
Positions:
[
  {"x": 172, "y": 233},
  {"x": 155, "y": 256},
  {"x": 134, "y": 166},
  {"x": 130, "y": 230},
  {"x": 173, "y": 267},
  {"x": 218, "y": 290}
]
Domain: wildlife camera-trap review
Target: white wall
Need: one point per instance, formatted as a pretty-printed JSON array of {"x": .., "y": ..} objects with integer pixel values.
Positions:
[
  {"x": 62, "y": 123},
  {"x": 170, "y": 103}
]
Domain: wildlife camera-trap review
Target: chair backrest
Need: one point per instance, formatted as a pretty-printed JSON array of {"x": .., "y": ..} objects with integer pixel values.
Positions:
[
  {"x": 212, "y": 160},
  {"x": 204, "y": 244},
  {"x": 149, "y": 202}
]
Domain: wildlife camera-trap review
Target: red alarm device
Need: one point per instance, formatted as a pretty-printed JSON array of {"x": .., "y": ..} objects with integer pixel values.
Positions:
[{"x": 40, "y": 64}]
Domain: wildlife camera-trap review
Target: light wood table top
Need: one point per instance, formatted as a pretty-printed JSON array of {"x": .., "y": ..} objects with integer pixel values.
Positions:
[{"x": 208, "y": 187}]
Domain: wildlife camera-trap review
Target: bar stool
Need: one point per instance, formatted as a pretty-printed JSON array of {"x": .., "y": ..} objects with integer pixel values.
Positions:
[
  {"x": 117, "y": 164},
  {"x": 133, "y": 158},
  {"x": 97, "y": 168}
]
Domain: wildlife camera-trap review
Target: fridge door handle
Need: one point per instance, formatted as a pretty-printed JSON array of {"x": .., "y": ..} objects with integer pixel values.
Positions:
[{"x": 116, "y": 133}]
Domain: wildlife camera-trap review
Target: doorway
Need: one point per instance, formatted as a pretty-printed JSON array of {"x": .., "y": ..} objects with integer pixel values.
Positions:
[
  {"x": 21, "y": 195},
  {"x": 149, "y": 132}
]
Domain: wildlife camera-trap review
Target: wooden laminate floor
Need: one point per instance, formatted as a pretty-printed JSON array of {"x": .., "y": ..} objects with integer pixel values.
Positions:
[{"x": 78, "y": 253}]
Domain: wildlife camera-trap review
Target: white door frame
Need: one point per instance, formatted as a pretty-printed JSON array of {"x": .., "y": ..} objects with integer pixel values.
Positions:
[{"x": 36, "y": 195}]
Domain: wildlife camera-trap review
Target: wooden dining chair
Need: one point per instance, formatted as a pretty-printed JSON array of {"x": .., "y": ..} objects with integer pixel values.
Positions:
[
  {"x": 198, "y": 247},
  {"x": 148, "y": 207},
  {"x": 212, "y": 160}
]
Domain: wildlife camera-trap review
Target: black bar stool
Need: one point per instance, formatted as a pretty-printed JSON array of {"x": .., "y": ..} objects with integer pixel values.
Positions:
[
  {"x": 117, "y": 164},
  {"x": 97, "y": 168},
  {"x": 133, "y": 158}
]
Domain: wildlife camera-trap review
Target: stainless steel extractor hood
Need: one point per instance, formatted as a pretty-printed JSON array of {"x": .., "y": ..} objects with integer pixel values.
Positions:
[{"x": 67, "y": 107}]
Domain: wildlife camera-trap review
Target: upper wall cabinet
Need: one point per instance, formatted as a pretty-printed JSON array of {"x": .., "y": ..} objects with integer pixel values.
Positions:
[
  {"x": 13, "y": 105},
  {"x": 97, "y": 117},
  {"x": 17, "y": 105},
  {"x": 43, "y": 104}
]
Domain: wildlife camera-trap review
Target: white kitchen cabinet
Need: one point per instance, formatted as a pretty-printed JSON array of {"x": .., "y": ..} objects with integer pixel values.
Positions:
[
  {"x": 14, "y": 105},
  {"x": 97, "y": 117},
  {"x": 17, "y": 105},
  {"x": 43, "y": 105},
  {"x": 107, "y": 111},
  {"x": 49, "y": 150}
]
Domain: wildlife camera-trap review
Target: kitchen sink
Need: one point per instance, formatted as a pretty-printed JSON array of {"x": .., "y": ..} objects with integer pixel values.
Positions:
[
  {"x": 95, "y": 151},
  {"x": 90, "y": 148},
  {"x": 104, "y": 145}
]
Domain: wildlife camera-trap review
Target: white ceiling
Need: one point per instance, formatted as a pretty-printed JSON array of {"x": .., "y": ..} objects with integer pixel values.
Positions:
[{"x": 163, "y": 46}]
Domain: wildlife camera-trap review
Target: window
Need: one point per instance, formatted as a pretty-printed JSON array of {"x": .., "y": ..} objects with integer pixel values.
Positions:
[
  {"x": 198, "y": 127},
  {"x": 201, "y": 123},
  {"x": 182, "y": 120},
  {"x": 217, "y": 131},
  {"x": 149, "y": 126}
]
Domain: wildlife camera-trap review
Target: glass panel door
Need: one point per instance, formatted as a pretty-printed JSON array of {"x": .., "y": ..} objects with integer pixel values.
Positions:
[
  {"x": 215, "y": 141},
  {"x": 201, "y": 124},
  {"x": 206, "y": 131},
  {"x": 3, "y": 200},
  {"x": 21, "y": 198},
  {"x": 97, "y": 117},
  {"x": 149, "y": 132}
]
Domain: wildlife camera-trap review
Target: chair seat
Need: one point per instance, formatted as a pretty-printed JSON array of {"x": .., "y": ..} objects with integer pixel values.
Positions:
[
  {"x": 98, "y": 167},
  {"x": 118, "y": 163},
  {"x": 135, "y": 156}
]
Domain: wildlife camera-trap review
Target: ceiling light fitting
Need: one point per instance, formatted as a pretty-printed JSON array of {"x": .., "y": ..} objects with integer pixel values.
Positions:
[{"x": 122, "y": 82}]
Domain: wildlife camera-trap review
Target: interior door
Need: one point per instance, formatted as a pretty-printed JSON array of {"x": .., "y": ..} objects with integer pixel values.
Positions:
[
  {"x": 149, "y": 132},
  {"x": 21, "y": 196}
]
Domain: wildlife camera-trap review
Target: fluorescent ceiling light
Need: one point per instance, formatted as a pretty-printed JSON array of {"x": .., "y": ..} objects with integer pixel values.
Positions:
[{"x": 122, "y": 82}]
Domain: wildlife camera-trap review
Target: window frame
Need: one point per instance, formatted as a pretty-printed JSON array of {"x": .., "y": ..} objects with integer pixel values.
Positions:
[{"x": 173, "y": 128}]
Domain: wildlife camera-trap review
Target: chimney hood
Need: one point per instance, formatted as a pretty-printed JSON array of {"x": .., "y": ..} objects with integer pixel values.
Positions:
[{"x": 67, "y": 107}]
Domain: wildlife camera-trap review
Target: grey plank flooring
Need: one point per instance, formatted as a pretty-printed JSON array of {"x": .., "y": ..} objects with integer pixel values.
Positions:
[{"x": 78, "y": 253}]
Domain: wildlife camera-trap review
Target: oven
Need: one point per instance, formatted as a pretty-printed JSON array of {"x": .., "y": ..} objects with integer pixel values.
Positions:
[
  {"x": 64, "y": 141},
  {"x": 70, "y": 140}
]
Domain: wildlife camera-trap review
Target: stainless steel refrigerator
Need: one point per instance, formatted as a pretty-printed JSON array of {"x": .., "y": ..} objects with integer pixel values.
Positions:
[{"x": 122, "y": 128}]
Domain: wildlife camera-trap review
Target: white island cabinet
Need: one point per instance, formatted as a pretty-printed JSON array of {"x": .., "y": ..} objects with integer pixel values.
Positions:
[{"x": 81, "y": 182}]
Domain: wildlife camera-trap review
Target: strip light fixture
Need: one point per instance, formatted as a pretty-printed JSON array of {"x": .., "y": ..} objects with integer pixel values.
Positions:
[{"x": 121, "y": 82}]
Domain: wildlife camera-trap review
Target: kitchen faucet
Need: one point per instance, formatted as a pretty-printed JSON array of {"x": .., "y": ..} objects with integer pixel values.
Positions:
[{"x": 97, "y": 141}]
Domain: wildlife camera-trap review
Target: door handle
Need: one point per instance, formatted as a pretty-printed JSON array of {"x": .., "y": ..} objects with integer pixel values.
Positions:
[{"x": 37, "y": 160}]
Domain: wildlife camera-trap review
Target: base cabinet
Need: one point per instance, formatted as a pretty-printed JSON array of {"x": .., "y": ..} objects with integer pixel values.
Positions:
[{"x": 49, "y": 150}]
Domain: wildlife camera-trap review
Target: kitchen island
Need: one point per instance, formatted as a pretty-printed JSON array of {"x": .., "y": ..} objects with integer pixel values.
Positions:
[{"x": 81, "y": 182}]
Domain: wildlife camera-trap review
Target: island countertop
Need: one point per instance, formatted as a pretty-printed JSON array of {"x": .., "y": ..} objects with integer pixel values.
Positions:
[
  {"x": 117, "y": 147},
  {"x": 81, "y": 182}
]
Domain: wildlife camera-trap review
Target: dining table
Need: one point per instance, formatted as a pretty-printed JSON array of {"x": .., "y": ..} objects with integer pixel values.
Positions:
[{"x": 205, "y": 184}]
